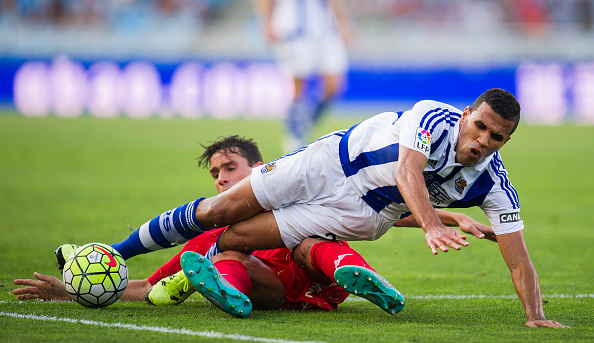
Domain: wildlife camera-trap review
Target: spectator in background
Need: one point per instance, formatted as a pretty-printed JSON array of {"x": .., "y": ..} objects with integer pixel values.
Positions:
[{"x": 309, "y": 38}]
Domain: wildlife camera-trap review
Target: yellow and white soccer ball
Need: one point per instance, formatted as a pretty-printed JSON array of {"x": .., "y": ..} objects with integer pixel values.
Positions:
[{"x": 95, "y": 275}]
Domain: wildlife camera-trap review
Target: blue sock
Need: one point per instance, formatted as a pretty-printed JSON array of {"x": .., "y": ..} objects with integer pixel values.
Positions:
[
  {"x": 300, "y": 119},
  {"x": 173, "y": 227}
]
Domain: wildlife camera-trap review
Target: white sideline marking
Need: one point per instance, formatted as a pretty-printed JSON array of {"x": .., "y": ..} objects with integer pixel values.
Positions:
[
  {"x": 478, "y": 296},
  {"x": 209, "y": 334}
]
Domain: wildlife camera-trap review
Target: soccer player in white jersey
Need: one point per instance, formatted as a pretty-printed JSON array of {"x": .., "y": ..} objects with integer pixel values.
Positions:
[
  {"x": 308, "y": 38},
  {"x": 355, "y": 184}
]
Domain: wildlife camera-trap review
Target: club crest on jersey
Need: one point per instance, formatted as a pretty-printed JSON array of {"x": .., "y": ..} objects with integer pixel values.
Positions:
[
  {"x": 423, "y": 140},
  {"x": 268, "y": 167},
  {"x": 461, "y": 184},
  {"x": 509, "y": 217}
]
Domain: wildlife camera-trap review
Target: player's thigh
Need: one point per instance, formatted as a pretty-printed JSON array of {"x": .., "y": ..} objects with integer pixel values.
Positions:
[
  {"x": 333, "y": 56},
  {"x": 268, "y": 291},
  {"x": 257, "y": 233},
  {"x": 234, "y": 205}
]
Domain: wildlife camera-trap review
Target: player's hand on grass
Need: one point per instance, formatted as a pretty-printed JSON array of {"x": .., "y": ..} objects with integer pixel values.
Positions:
[
  {"x": 545, "y": 324},
  {"x": 471, "y": 226},
  {"x": 441, "y": 237},
  {"x": 46, "y": 287}
]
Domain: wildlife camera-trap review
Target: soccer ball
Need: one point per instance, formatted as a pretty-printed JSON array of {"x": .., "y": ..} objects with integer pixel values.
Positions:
[{"x": 95, "y": 275}]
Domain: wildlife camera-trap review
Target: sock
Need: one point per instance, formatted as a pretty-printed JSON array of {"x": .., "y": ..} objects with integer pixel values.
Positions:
[
  {"x": 299, "y": 119},
  {"x": 173, "y": 227},
  {"x": 320, "y": 108},
  {"x": 326, "y": 257},
  {"x": 214, "y": 249},
  {"x": 236, "y": 274}
]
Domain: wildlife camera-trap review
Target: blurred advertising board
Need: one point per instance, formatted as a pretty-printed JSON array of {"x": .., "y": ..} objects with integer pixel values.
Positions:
[{"x": 548, "y": 92}]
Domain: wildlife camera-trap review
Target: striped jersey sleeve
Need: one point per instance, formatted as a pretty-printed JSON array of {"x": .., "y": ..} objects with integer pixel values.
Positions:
[{"x": 427, "y": 126}]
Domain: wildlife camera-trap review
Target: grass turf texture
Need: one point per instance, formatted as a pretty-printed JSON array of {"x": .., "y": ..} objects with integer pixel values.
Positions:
[{"x": 84, "y": 180}]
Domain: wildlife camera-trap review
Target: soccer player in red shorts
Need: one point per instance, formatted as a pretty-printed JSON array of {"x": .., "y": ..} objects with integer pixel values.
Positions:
[{"x": 272, "y": 279}]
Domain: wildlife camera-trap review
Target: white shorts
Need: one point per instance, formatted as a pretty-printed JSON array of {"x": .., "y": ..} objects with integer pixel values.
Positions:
[
  {"x": 310, "y": 196},
  {"x": 308, "y": 56}
]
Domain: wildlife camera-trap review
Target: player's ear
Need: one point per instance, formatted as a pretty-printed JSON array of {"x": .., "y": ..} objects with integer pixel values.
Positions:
[
  {"x": 257, "y": 164},
  {"x": 465, "y": 114}
]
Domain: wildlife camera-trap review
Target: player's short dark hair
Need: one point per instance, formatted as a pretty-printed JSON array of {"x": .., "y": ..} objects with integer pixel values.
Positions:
[
  {"x": 244, "y": 147},
  {"x": 502, "y": 102}
]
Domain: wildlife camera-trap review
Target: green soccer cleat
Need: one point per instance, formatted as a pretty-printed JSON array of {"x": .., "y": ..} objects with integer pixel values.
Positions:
[
  {"x": 370, "y": 285},
  {"x": 171, "y": 290},
  {"x": 63, "y": 252},
  {"x": 209, "y": 282}
]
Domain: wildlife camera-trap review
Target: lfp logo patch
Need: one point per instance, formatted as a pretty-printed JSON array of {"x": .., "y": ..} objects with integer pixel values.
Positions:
[
  {"x": 268, "y": 167},
  {"x": 423, "y": 140}
]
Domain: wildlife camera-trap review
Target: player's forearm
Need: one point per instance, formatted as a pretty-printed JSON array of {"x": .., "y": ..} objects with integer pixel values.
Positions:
[
  {"x": 514, "y": 252},
  {"x": 136, "y": 290},
  {"x": 450, "y": 218},
  {"x": 446, "y": 217},
  {"x": 527, "y": 287},
  {"x": 411, "y": 185}
]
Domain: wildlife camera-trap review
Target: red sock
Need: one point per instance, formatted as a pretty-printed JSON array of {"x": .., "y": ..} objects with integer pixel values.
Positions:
[
  {"x": 326, "y": 257},
  {"x": 236, "y": 274}
]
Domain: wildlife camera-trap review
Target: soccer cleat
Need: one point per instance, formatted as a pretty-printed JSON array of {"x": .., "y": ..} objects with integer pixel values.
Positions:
[
  {"x": 171, "y": 290},
  {"x": 370, "y": 285},
  {"x": 209, "y": 282},
  {"x": 63, "y": 252}
]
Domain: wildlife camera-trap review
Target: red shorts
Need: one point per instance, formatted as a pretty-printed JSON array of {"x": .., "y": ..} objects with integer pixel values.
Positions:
[{"x": 303, "y": 289}]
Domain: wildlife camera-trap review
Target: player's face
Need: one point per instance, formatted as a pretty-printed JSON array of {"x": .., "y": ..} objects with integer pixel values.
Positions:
[
  {"x": 482, "y": 132},
  {"x": 228, "y": 168}
]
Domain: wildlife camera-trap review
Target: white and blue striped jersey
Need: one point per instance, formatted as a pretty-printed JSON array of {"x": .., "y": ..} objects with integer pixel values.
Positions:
[{"x": 369, "y": 156}]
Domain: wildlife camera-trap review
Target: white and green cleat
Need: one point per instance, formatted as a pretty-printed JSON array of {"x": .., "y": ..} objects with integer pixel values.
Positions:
[
  {"x": 208, "y": 281},
  {"x": 63, "y": 252},
  {"x": 171, "y": 290},
  {"x": 368, "y": 284}
]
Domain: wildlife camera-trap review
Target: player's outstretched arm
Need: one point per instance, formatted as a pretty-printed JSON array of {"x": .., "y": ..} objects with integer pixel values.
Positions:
[
  {"x": 50, "y": 288},
  {"x": 514, "y": 251},
  {"x": 411, "y": 183},
  {"x": 466, "y": 223},
  {"x": 46, "y": 287},
  {"x": 469, "y": 225}
]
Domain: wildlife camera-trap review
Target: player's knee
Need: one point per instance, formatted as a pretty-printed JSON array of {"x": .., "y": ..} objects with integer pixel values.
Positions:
[
  {"x": 231, "y": 255},
  {"x": 210, "y": 213},
  {"x": 302, "y": 252},
  {"x": 235, "y": 239}
]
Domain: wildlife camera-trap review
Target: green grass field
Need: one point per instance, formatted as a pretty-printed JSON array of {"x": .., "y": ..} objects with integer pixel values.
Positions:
[{"x": 83, "y": 180}]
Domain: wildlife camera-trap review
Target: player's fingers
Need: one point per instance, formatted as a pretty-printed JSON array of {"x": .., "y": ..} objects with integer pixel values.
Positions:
[
  {"x": 442, "y": 244},
  {"x": 43, "y": 277},
  {"x": 458, "y": 238},
  {"x": 476, "y": 232},
  {"x": 28, "y": 296},
  {"x": 554, "y": 324},
  {"x": 25, "y": 291},
  {"x": 25, "y": 282},
  {"x": 431, "y": 245}
]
